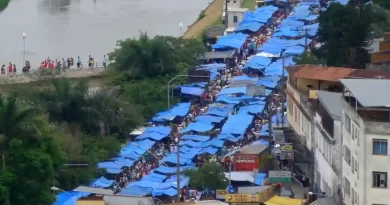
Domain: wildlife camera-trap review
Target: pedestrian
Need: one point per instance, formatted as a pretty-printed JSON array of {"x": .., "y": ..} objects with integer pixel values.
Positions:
[
  {"x": 78, "y": 62},
  {"x": 10, "y": 69},
  {"x": 104, "y": 62},
  {"x": 63, "y": 64},
  {"x": 68, "y": 61},
  {"x": 3, "y": 69}
]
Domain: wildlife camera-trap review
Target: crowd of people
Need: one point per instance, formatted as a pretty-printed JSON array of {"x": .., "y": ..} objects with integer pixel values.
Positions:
[
  {"x": 143, "y": 166},
  {"x": 234, "y": 68},
  {"x": 69, "y": 63}
]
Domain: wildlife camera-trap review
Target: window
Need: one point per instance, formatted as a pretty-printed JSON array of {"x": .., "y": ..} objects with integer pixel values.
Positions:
[
  {"x": 356, "y": 166},
  {"x": 235, "y": 19},
  {"x": 357, "y": 135},
  {"x": 353, "y": 166},
  {"x": 347, "y": 123},
  {"x": 379, "y": 147},
  {"x": 353, "y": 195},
  {"x": 234, "y": 1},
  {"x": 356, "y": 201},
  {"x": 347, "y": 187},
  {"x": 347, "y": 155},
  {"x": 353, "y": 132},
  {"x": 379, "y": 179},
  {"x": 290, "y": 106}
]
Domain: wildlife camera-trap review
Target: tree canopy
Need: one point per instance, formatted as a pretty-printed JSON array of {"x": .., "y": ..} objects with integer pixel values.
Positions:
[
  {"x": 210, "y": 176},
  {"x": 45, "y": 128},
  {"x": 151, "y": 57}
]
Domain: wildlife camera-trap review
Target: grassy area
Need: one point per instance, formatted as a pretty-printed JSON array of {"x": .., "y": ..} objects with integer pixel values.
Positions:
[
  {"x": 3, "y": 4},
  {"x": 250, "y": 4}
]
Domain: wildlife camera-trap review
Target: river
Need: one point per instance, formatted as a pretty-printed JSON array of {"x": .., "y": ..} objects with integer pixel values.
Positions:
[{"x": 71, "y": 28}]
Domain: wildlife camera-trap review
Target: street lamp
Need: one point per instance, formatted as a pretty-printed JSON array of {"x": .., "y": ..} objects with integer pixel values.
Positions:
[
  {"x": 53, "y": 188},
  {"x": 180, "y": 26},
  {"x": 178, "y": 170},
  {"x": 24, "y": 48},
  {"x": 169, "y": 83}
]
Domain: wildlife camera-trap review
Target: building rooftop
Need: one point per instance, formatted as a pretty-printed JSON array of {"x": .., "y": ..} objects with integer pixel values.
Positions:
[
  {"x": 93, "y": 190},
  {"x": 369, "y": 92},
  {"x": 315, "y": 72},
  {"x": 379, "y": 74},
  {"x": 331, "y": 102},
  {"x": 237, "y": 9}
]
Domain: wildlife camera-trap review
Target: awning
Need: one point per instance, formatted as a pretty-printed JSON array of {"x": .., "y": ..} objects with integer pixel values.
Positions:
[{"x": 277, "y": 200}]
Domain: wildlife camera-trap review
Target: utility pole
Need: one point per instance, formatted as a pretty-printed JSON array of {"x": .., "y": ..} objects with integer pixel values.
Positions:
[
  {"x": 178, "y": 170},
  {"x": 282, "y": 92}
]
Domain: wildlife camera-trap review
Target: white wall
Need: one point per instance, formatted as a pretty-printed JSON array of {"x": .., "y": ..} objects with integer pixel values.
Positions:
[
  {"x": 234, "y": 3},
  {"x": 231, "y": 14},
  {"x": 361, "y": 179},
  {"x": 327, "y": 159}
]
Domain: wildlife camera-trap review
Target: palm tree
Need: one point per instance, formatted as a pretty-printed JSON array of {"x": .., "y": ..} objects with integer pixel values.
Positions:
[
  {"x": 106, "y": 109},
  {"x": 15, "y": 122}
]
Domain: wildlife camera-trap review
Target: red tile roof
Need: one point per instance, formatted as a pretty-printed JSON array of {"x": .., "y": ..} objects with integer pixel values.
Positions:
[
  {"x": 315, "y": 72},
  {"x": 369, "y": 74}
]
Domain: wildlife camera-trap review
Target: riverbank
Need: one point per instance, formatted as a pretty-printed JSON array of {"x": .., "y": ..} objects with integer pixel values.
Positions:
[
  {"x": 3, "y": 4},
  {"x": 211, "y": 15}
]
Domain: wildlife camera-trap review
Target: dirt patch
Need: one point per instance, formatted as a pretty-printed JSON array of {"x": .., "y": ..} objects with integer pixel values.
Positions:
[{"x": 212, "y": 13}]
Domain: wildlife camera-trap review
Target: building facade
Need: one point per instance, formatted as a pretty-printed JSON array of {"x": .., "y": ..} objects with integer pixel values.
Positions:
[
  {"x": 365, "y": 131},
  {"x": 327, "y": 136}
]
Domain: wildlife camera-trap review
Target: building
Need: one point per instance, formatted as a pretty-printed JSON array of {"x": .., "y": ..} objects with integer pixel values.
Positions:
[
  {"x": 327, "y": 137},
  {"x": 235, "y": 16},
  {"x": 365, "y": 132},
  {"x": 381, "y": 52},
  {"x": 233, "y": 3},
  {"x": 302, "y": 85}
]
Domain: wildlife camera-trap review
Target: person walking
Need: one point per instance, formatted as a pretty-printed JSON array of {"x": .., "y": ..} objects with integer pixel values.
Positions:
[
  {"x": 14, "y": 70},
  {"x": 104, "y": 62},
  {"x": 10, "y": 69},
  {"x": 78, "y": 62}
]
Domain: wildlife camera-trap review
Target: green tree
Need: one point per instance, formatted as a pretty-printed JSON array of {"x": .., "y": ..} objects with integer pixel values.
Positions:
[
  {"x": 150, "y": 57},
  {"x": 380, "y": 20},
  {"x": 209, "y": 176},
  {"x": 309, "y": 58},
  {"x": 344, "y": 32},
  {"x": 24, "y": 147},
  {"x": 383, "y": 3}
]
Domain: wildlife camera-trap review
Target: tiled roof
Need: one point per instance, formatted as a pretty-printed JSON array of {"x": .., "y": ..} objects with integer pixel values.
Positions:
[
  {"x": 319, "y": 72},
  {"x": 369, "y": 74}
]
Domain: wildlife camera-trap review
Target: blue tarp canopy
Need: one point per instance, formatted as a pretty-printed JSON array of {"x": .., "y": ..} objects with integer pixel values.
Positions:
[
  {"x": 276, "y": 67},
  {"x": 257, "y": 62},
  {"x": 179, "y": 110},
  {"x": 102, "y": 182},
  {"x": 201, "y": 85},
  {"x": 209, "y": 119},
  {"x": 173, "y": 159},
  {"x": 311, "y": 18},
  {"x": 198, "y": 127},
  {"x": 235, "y": 100},
  {"x": 237, "y": 124},
  {"x": 244, "y": 78},
  {"x": 209, "y": 150},
  {"x": 154, "y": 177},
  {"x": 155, "y": 133},
  {"x": 291, "y": 22},
  {"x": 234, "y": 40},
  {"x": 136, "y": 191},
  {"x": 160, "y": 192},
  {"x": 259, "y": 179},
  {"x": 249, "y": 26},
  {"x": 219, "y": 111},
  {"x": 199, "y": 138},
  {"x": 192, "y": 90},
  {"x": 236, "y": 90},
  {"x": 269, "y": 81},
  {"x": 294, "y": 51},
  {"x": 251, "y": 109},
  {"x": 170, "y": 170},
  {"x": 69, "y": 197}
]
